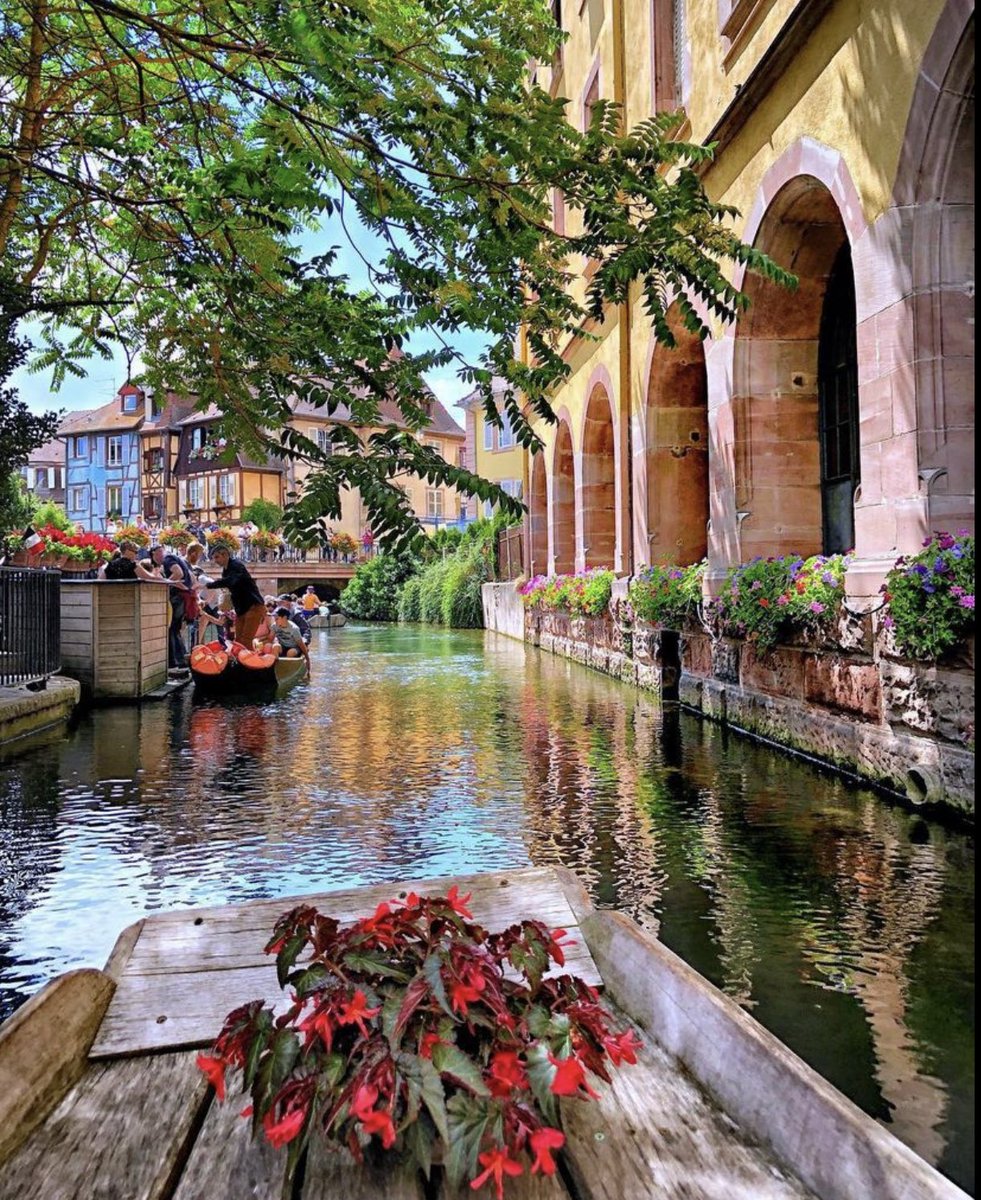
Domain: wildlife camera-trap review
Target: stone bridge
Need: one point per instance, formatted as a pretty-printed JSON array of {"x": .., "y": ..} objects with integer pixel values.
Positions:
[{"x": 275, "y": 578}]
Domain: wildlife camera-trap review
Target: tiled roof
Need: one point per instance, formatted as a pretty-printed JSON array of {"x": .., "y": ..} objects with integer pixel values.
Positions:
[
  {"x": 389, "y": 413},
  {"x": 108, "y": 418},
  {"x": 174, "y": 411},
  {"x": 52, "y": 452}
]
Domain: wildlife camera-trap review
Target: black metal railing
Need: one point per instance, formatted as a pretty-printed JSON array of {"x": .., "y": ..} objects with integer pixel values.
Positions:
[{"x": 30, "y": 625}]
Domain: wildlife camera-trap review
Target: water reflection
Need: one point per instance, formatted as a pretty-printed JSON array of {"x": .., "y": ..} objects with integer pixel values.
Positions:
[{"x": 846, "y": 926}]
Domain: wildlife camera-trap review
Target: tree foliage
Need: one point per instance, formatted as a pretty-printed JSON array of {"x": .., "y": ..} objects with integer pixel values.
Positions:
[{"x": 160, "y": 164}]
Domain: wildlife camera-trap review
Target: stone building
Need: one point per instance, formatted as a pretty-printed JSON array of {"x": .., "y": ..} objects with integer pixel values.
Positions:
[{"x": 836, "y": 417}]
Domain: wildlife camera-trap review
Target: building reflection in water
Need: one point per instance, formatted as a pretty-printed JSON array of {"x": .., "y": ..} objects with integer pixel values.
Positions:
[{"x": 844, "y": 924}]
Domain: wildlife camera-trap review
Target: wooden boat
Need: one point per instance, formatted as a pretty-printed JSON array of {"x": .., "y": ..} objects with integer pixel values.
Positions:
[
  {"x": 238, "y": 671},
  {"x": 99, "y": 1093}
]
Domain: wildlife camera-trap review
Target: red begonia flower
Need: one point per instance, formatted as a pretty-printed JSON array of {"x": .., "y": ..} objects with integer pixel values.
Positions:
[
  {"x": 280, "y": 1132},
  {"x": 459, "y": 903},
  {"x": 623, "y": 1047},
  {"x": 569, "y": 1077},
  {"x": 214, "y": 1069},
  {"x": 356, "y": 1012},
  {"x": 506, "y": 1072},
  {"x": 497, "y": 1165},
  {"x": 543, "y": 1142}
]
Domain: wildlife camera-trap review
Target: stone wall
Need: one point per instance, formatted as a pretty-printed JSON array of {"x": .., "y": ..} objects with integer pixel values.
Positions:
[{"x": 851, "y": 701}]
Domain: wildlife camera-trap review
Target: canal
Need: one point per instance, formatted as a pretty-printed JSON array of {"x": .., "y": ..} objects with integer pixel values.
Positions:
[{"x": 844, "y": 925}]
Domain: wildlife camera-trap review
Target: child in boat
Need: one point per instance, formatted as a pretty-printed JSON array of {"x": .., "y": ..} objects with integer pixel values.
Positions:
[{"x": 287, "y": 640}]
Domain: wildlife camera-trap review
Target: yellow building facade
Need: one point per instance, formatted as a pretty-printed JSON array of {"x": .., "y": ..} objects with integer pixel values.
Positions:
[
  {"x": 492, "y": 451},
  {"x": 836, "y": 417}
]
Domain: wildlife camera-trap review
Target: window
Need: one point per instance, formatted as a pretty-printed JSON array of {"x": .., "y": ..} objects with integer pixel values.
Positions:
[
  {"x": 512, "y": 487},
  {"x": 324, "y": 444},
  {"x": 80, "y": 499},
  {"x": 670, "y": 51},
  {"x": 461, "y": 457},
  {"x": 195, "y": 493},
  {"x": 153, "y": 507},
  {"x": 114, "y": 451},
  {"x": 153, "y": 459},
  {"x": 30, "y": 475},
  {"x": 80, "y": 447},
  {"x": 53, "y": 481},
  {"x": 199, "y": 435},
  {"x": 434, "y": 502},
  {"x": 226, "y": 489},
  {"x": 488, "y": 435},
  {"x": 505, "y": 437},
  {"x": 435, "y": 446},
  {"x": 114, "y": 500},
  {"x": 130, "y": 402}
]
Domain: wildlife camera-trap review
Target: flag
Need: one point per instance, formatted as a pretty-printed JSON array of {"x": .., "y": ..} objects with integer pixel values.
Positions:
[{"x": 31, "y": 539}]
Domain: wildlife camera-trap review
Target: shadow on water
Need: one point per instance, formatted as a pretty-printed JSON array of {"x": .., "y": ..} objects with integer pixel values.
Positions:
[{"x": 845, "y": 925}]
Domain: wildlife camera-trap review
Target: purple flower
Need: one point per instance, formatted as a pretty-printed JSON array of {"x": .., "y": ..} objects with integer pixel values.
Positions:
[
  {"x": 928, "y": 587},
  {"x": 816, "y": 606},
  {"x": 920, "y": 569},
  {"x": 756, "y": 585},
  {"x": 829, "y": 579},
  {"x": 888, "y": 623},
  {"x": 940, "y": 566},
  {"x": 966, "y": 602},
  {"x": 784, "y": 599},
  {"x": 957, "y": 590},
  {"x": 956, "y": 552}
]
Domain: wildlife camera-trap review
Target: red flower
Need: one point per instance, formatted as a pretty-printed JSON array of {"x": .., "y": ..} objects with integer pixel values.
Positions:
[
  {"x": 570, "y": 1077},
  {"x": 543, "y": 1142},
  {"x": 764, "y": 603},
  {"x": 497, "y": 1165},
  {"x": 556, "y": 947},
  {"x": 372, "y": 1120},
  {"x": 363, "y": 1101},
  {"x": 357, "y": 1012},
  {"x": 466, "y": 990},
  {"x": 318, "y": 1024},
  {"x": 214, "y": 1069},
  {"x": 428, "y": 1043},
  {"x": 285, "y": 1129},
  {"x": 506, "y": 1072},
  {"x": 459, "y": 903},
  {"x": 623, "y": 1047}
]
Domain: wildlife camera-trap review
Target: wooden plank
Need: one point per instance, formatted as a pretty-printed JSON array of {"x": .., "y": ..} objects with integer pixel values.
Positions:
[
  {"x": 226, "y": 1162},
  {"x": 189, "y": 969},
  {"x": 653, "y": 1133},
  {"x": 334, "y": 1175},
  {"x": 122, "y": 1132},
  {"x": 43, "y": 1049}
]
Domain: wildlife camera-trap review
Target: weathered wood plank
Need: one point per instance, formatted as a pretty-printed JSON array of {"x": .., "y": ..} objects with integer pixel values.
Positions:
[
  {"x": 121, "y": 1132},
  {"x": 653, "y": 1133},
  {"x": 188, "y": 970},
  {"x": 334, "y": 1175},
  {"x": 43, "y": 1050},
  {"x": 226, "y": 1162}
]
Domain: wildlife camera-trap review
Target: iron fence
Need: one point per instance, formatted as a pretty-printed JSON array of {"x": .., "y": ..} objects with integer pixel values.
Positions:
[{"x": 30, "y": 625}]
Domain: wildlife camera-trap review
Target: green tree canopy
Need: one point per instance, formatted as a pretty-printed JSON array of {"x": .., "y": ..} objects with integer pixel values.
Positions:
[{"x": 160, "y": 162}]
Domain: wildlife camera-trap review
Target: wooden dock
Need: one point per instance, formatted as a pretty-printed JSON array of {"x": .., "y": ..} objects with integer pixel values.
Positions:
[{"x": 100, "y": 1096}]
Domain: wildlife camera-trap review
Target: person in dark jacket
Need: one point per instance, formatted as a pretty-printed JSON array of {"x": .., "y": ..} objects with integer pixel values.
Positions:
[
  {"x": 178, "y": 573},
  {"x": 245, "y": 596}
]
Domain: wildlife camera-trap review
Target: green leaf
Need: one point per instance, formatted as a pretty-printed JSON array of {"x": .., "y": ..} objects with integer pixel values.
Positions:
[
  {"x": 468, "y": 1120},
  {"x": 287, "y": 957},
  {"x": 282, "y": 1053},
  {"x": 426, "y": 1087},
  {"x": 541, "y": 1073},
  {"x": 419, "y": 1136},
  {"x": 374, "y": 964},
  {"x": 451, "y": 1060},
  {"x": 431, "y": 968}
]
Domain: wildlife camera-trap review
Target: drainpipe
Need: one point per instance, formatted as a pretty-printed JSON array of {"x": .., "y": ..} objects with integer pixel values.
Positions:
[{"x": 626, "y": 517}]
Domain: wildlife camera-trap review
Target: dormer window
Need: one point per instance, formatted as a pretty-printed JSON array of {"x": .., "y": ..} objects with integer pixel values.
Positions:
[
  {"x": 131, "y": 402},
  {"x": 199, "y": 436}
]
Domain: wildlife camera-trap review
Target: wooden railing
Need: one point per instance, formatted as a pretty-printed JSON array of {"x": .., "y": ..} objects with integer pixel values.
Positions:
[{"x": 510, "y": 552}]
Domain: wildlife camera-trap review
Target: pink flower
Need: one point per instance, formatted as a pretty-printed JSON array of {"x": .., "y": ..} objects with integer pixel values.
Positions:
[
  {"x": 966, "y": 602},
  {"x": 816, "y": 606},
  {"x": 285, "y": 1129}
]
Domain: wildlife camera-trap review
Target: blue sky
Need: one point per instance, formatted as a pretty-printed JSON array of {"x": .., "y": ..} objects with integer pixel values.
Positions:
[{"x": 105, "y": 378}]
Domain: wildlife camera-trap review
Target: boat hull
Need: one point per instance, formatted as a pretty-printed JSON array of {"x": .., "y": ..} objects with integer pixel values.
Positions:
[{"x": 238, "y": 680}]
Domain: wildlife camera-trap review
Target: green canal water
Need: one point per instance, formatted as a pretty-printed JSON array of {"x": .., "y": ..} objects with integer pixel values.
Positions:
[{"x": 844, "y": 925}]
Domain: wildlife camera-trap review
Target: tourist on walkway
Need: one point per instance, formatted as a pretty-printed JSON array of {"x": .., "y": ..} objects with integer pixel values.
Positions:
[
  {"x": 245, "y": 596},
  {"x": 368, "y": 542}
]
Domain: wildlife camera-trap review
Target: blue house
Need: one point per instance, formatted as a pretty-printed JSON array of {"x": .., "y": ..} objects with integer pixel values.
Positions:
[{"x": 102, "y": 461}]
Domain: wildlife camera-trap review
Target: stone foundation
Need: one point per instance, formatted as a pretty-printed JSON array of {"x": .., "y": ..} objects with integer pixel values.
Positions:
[{"x": 851, "y": 702}]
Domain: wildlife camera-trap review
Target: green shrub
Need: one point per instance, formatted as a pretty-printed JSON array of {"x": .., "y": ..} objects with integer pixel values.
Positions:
[
  {"x": 930, "y": 596},
  {"x": 264, "y": 514},
  {"x": 373, "y": 593},
  {"x": 50, "y": 513},
  {"x": 431, "y": 592},
  {"x": 768, "y": 598},
  {"x": 462, "y": 603},
  {"x": 667, "y": 595},
  {"x": 409, "y": 599}
]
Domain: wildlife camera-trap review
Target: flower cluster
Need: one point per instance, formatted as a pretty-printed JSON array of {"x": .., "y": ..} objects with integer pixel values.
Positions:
[
  {"x": 344, "y": 543},
  {"x": 585, "y": 594},
  {"x": 134, "y": 534},
  {"x": 930, "y": 596},
  {"x": 414, "y": 1027},
  {"x": 768, "y": 598},
  {"x": 212, "y": 449},
  {"x": 176, "y": 536},
  {"x": 265, "y": 539},
  {"x": 86, "y": 549},
  {"x": 667, "y": 595},
  {"x": 223, "y": 539}
]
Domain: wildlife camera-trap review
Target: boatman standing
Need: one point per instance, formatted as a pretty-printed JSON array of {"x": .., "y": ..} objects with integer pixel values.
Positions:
[{"x": 245, "y": 596}]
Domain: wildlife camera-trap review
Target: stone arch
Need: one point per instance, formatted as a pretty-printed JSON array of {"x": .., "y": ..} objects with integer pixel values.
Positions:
[
  {"x": 777, "y": 459},
  {"x": 538, "y": 517},
  {"x": 563, "y": 502},
  {"x": 935, "y": 184},
  {"x": 598, "y": 498},
  {"x": 676, "y": 442}
]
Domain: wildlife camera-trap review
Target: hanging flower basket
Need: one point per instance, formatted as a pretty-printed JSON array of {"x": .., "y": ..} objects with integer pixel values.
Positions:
[
  {"x": 134, "y": 534},
  {"x": 223, "y": 539},
  {"x": 176, "y": 536}
]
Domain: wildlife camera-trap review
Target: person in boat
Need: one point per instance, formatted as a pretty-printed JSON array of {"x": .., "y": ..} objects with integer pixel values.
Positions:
[
  {"x": 298, "y": 617},
  {"x": 123, "y": 565},
  {"x": 289, "y": 641},
  {"x": 245, "y": 596},
  {"x": 311, "y": 601}
]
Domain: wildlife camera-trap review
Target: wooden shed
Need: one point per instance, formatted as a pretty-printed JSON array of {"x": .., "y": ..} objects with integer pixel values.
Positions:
[{"x": 114, "y": 637}]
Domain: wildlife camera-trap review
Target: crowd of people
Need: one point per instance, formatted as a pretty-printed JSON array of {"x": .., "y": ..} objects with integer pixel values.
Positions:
[{"x": 216, "y": 599}]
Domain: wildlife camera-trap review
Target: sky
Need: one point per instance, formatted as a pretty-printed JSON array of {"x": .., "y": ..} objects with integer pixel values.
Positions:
[{"x": 104, "y": 378}]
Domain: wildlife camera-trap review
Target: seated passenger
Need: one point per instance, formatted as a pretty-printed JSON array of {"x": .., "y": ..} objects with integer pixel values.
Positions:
[{"x": 289, "y": 640}]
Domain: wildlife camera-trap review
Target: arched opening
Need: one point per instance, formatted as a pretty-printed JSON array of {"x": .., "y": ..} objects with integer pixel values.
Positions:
[
  {"x": 599, "y": 482},
  {"x": 779, "y": 486},
  {"x": 838, "y": 408},
  {"x": 677, "y": 449},
  {"x": 563, "y": 504},
  {"x": 538, "y": 517}
]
